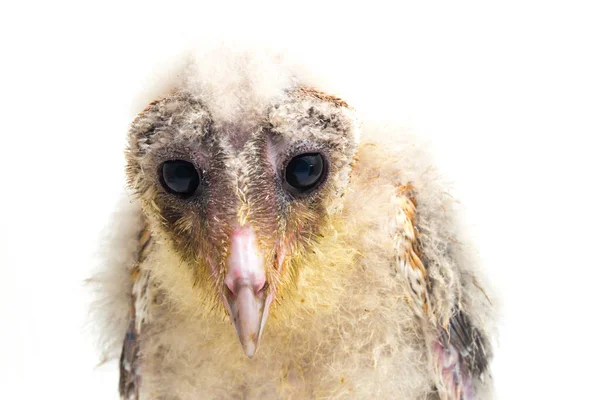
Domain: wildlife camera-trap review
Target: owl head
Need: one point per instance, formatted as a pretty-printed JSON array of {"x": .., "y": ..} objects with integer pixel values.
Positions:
[{"x": 241, "y": 169}]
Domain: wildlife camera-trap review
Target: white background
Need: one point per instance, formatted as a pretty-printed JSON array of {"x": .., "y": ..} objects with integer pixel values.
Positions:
[{"x": 508, "y": 92}]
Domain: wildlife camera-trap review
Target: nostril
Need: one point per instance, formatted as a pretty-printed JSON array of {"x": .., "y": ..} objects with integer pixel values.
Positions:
[
  {"x": 230, "y": 289},
  {"x": 260, "y": 286}
]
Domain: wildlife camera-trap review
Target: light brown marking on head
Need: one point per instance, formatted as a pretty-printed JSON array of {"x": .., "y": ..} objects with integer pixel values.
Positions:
[{"x": 314, "y": 93}]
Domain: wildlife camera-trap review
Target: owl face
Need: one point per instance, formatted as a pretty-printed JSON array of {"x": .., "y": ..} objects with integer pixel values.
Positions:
[{"x": 239, "y": 199}]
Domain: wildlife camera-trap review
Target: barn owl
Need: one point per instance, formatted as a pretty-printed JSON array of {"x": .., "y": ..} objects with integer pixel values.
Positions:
[{"x": 274, "y": 247}]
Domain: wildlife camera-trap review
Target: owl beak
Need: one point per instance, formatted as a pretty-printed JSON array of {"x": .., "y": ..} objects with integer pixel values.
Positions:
[{"x": 245, "y": 295}]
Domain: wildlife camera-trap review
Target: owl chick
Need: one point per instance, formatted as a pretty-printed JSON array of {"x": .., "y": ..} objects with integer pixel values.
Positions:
[{"x": 258, "y": 218}]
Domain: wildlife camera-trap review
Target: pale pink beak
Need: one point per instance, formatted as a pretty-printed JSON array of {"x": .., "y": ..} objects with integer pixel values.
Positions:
[{"x": 245, "y": 295}]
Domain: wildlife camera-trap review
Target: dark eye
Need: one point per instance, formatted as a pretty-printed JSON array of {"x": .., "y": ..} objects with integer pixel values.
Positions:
[
  {"x": 179, "y": 177},
  {"x": 305, "y": 171}
]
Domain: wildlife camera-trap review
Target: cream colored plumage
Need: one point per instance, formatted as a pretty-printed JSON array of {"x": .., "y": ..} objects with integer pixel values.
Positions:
[{"x": 371, "y": 289}]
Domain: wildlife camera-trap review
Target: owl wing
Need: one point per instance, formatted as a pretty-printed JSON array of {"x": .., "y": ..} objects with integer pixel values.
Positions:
[
  {"x": 441, "y": 293},
  {"x": 129, "y": 380},
  {"x": 130, "y": 377}
]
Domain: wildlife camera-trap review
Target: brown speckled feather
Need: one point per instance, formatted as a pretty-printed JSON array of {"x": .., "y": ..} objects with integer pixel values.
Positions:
[
  {"x": 130, "y": 379},
  {"x": 460, "y": 351}
]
